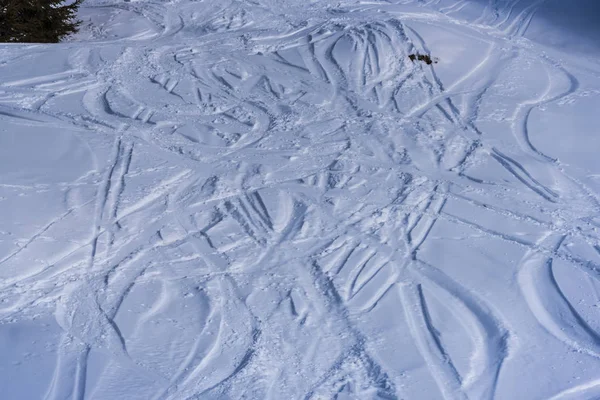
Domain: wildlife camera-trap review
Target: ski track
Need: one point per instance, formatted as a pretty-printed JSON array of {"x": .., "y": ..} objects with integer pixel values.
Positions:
[{"x": 271, "y": 185}]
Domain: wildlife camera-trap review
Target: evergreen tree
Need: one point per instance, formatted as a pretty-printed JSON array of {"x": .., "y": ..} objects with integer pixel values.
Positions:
[{"x": 37, "y": 21}]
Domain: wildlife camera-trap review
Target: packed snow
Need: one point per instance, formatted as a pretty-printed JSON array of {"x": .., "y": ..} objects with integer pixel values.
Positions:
[{"x": 276, "y": 199}]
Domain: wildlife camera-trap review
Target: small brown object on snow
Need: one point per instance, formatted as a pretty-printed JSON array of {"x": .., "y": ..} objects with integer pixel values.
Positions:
[{"x": 426, "y": 58}]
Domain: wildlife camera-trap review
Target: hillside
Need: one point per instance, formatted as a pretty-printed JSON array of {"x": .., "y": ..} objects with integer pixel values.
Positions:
[{"x": 293, "y": 199}]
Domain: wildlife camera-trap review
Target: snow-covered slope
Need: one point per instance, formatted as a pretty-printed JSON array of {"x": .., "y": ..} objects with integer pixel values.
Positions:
[{"x": 268, "y": 199}]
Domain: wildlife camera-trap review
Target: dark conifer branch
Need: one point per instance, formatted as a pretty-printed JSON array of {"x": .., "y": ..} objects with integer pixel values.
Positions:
[{"x": 37, "y": 21}]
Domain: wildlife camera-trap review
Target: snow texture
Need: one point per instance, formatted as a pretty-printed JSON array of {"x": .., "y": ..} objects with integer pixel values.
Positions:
[{"x": 269, "y": 199}]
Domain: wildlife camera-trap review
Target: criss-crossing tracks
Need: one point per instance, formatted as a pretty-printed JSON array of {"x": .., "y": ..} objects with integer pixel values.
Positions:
[{"x": 270, "y": 200}]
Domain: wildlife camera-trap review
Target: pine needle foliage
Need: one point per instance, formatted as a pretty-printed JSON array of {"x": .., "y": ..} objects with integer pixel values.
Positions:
[{"x": 37, "y": 21}]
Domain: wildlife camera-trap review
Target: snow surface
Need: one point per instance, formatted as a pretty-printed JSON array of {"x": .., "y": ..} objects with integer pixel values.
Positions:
[{"x": 267, "y": 199}]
